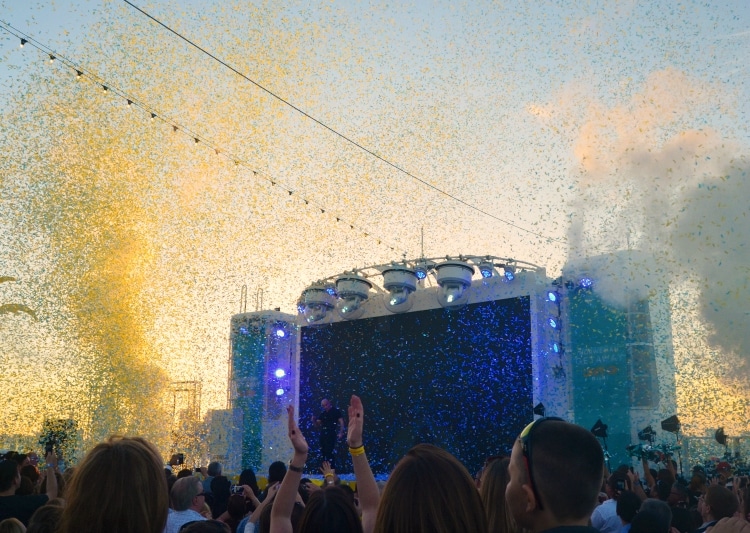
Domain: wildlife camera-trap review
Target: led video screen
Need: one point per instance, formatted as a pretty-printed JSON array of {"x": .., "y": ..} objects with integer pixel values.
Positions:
[{"x": 459, "y": 379}]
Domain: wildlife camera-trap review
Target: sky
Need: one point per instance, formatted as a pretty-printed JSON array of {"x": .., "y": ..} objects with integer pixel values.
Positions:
[{"x": 298, "y": 140}]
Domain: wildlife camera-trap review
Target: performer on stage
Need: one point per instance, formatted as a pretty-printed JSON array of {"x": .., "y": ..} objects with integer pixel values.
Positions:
[{"x": 331, "y": 425}]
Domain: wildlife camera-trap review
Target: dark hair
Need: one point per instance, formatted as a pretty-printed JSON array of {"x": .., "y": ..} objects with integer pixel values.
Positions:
[
  {"x": 563, "y": 451},
  {"x": 276, "y": 472},
  {"x": 206, "y": 526},
  {"x": 119, "y": 486},
  {"x": 430, "y": 490},
  {"x": 627, "y": 505},
  {"x": 722, "y": 501},
  {"x": 247, "y": 477},
  {"x": 8, "y": 473},
  {"x": 31, "y": 472},
  {"x": 330, "y": 510}
]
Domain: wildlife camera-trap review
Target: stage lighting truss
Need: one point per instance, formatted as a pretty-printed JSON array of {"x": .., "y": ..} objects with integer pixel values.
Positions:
[{"x": 396, "y": 283}]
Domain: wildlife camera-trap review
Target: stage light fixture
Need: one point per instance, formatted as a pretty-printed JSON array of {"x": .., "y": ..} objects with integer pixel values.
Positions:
[
  {"x": 23, "y": 42},
  {"x": 509, "y": 272},
  {"x": 552, "y": 321},
  {"x": 280, "y": 333},
  {"x": 552, "y": 296},
  {"x": 556, "y": 347},
  {"x": 422, "y": 268},
  {"x": 486, "y": 268},
  {"x": 539, "y": 409},
  {"x": 51, "y": 58},
  {"x": 315, "y": 303},
  {"x": 353, "y": 290},
  {"x": 600, "y": 429},
  {"x": 280, "y": 373},
  {"x": 454, "y": 279},
  {"x": 585, "y": 283},
  {"x": 279, "y": 392},
  {"x": 400, "y": 282}
]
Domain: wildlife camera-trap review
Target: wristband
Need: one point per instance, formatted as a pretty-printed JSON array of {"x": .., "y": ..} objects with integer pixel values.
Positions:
[
  {"x": 296, "y": 468},
  {"x": 360, "y": 450},
  {"x": 328, "y": 475}
]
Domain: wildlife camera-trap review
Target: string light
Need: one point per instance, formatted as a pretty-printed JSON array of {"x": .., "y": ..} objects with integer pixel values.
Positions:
[{"x": 196, "y": 138}]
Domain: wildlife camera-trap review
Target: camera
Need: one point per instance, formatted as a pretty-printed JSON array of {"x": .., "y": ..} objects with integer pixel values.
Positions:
[
  {"x": 237, "y": 489},
  {"x": 620, "y": 484},
  {"x": 180, "y": 458}
]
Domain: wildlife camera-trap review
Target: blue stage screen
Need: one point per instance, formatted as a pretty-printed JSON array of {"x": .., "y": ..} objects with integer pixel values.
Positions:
[{"x": 459, "y": 379}]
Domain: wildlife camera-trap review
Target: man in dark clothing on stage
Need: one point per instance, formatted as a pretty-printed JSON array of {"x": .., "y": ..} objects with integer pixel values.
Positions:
[
  {"x": 556, "y": 471},
  {"x": 331, "y": 425}
]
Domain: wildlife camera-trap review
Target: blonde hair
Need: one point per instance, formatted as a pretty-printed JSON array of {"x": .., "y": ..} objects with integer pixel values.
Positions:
[
  {"x": 12, "y": 525},
  {"x": 119, "y": 487}
]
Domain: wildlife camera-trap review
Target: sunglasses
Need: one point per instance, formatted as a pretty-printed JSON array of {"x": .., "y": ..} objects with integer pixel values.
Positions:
[{"x": 525, "y": 438}]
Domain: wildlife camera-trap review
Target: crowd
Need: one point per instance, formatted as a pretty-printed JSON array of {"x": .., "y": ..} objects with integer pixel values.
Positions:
[{"x": 554, "y": 481}]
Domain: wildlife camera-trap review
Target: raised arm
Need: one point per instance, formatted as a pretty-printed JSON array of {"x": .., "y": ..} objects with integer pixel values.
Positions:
[
  {"x": 51, "y": 477},
  {"x": 369, "y": 495},
  {"x": 650, "y": 481},
  {"x": 281, "y": 512}
]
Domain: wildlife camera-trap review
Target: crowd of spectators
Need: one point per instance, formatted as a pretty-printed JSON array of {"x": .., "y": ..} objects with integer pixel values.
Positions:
[{"x": 554, "y": 481}]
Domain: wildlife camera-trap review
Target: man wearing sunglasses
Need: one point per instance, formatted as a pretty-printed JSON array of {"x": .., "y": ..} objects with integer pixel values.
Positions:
[{"x": 556, "y": 471}]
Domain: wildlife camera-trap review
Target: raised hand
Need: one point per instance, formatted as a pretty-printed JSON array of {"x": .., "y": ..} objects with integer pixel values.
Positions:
[
  {"x": 295, "y": 435},
  {"x": 356, "y": 422}
]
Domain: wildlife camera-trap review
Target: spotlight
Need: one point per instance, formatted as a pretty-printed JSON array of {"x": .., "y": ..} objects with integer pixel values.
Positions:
[
  {"x": 486, "y": 268},
  {"x": 422, "y": 268},
  {"x": 509, "y": 272},
  {"x": 556, "y": 347},
  {"x": 721, "y": 437},
  {"x": 315, "y": 303},
  {"x": 552, "y": 322},
  {"x": 51, "y": 58},
  {"x": 279, "y": 392},
  {"x": 600, "y": 429},
  {"x": 671, "y": 424},
  {"x": 647, "y": 433},
  {"x": 539, "y": 409},
  {"x": 280, "y": 373},
  {"x": 280, "y": 333},
  {"x": 454, "y": 278},
  {"x": 23, "y": 42},
  {"x": 400, "y": 282},
  {"x": 552, "y": 296},
  {"x": 353, "y": 291},
  {"x": 585, "y": 283}
]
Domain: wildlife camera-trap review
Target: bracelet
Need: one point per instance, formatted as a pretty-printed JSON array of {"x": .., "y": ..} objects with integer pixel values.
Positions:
[
  {"x": 328, "y": 475},
  {"x": 359, "y": 450},
  {"x": 296, "y": 468}
]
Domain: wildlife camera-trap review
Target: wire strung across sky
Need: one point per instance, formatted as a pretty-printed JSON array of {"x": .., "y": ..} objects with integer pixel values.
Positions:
[
  {"x": 335, "y": 132},
  {"x": 178, "y": 127}
]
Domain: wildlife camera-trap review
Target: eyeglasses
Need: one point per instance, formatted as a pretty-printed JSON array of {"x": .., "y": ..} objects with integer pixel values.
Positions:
[{"x": 525, "y": 438}]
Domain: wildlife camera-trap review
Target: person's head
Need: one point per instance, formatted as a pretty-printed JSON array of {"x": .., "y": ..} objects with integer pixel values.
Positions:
[
  {"x": 26, "y": 488},
  {"x": 679, "y": 496},
  {"x": 247, "y": 477},
  {"x": 214, "y": 469},
  {"x": 719, "y": 502},
  {"x": 276, "y": 472},
  {"x": 206, "y": 526},
  {"x": 119, "y": 486},
  {"x": 45, "y": 519},
  {"x": 494, "y": 481},
  {"x": 654, "y": 516},
  {"x": 616, "y": 484},
  {"x": 628, "y": 504},
  {"x": 31, "y": 472},
  {"x": 555, "y": 475},
  {"x": 187, "y": 493},
  {"x": 325, "y": 404},
  {"x": 236, "y": 506},
  {"x": 430, "y": 490},
  {"x": 9, "y": 475},
  {"x": 185, "y": 472},
  {"x": 12, "y": 525},
  {"x": 330, "y": 510}
]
